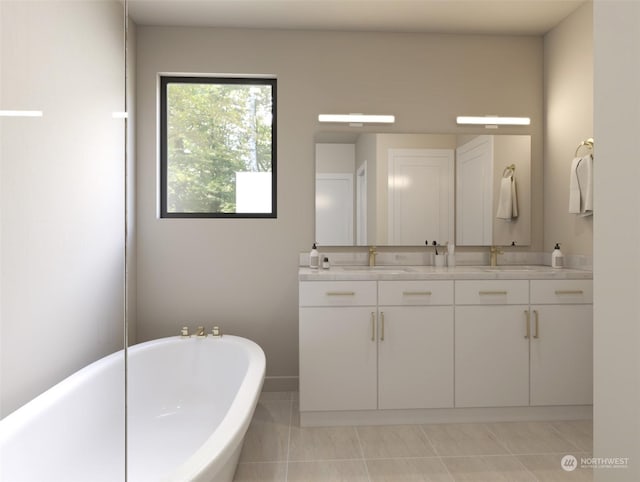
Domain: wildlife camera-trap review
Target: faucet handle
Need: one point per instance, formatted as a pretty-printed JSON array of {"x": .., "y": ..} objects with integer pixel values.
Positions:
[
  {"x": 216, "y": 332},
  {"x": 184, "y": 332}
]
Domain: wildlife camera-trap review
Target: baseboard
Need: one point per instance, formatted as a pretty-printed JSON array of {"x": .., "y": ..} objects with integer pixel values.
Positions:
[
  {"x": 445, "y": 415},
  {"x": 280, "y": 384}
]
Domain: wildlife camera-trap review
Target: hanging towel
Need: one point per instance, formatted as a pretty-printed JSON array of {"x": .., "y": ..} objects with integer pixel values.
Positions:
[
  {"x": 574, "y": 187},
  {"x": 585, "y": 180},
  {"x": 508, "y": 199},
  {"x": 581, "y": 186}
]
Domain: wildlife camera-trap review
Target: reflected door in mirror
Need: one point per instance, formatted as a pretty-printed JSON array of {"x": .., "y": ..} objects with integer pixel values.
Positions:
[{"x": 420, "y": 196}]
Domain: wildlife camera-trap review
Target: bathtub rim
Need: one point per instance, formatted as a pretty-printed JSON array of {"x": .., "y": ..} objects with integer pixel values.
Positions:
[
  {"x": 212, "y": 452},
  {"x": 11, "y": 424},
  {"x": 221, "y": 445}
]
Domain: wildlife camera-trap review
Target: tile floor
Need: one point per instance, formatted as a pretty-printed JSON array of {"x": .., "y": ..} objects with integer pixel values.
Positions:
[{"x": 277, "y": 449}]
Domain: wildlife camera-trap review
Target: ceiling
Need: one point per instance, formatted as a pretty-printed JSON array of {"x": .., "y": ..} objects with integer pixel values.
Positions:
[{"x": 506, "y": 17}]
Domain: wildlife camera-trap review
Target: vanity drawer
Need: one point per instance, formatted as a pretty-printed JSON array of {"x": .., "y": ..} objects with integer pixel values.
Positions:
[
  {"x": 492, "y": 292},
  {"x": 397, "y": 293},
  {"x": 575, "y": 291},
  {"x": 338, "y": 293}
]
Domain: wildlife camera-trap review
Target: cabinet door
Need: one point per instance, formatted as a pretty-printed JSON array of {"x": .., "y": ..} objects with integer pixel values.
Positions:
[
  {"x": 562, "y": 355},
  {"x": 415, "y": 357},
  {"x": 491, "y": 356},
  {"x": 338, "y": 358}
]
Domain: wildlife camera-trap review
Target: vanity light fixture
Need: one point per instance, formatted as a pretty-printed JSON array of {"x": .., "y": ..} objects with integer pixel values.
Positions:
[
  {"x": 357, "y": 119},
  {"x": 493, "y": 120},
  {"x": 21, "y": 113}
]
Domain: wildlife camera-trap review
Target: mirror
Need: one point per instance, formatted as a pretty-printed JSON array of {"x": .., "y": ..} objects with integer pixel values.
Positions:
[{"x": 404, "y": 189}]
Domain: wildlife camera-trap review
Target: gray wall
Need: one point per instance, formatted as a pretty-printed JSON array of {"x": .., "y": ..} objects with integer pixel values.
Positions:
[
  {"x": 61, "y": 192},
  {"x": 242, "y": 274},
  {"x": 568, "y": 101}
]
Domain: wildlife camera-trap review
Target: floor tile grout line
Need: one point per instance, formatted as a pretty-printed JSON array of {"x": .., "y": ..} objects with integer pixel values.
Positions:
[
  {"x": 526, "y": 469},
  {"x": 453, "y": 478},
  {"x": 561, "y": 435},
  {"x": 364, "y": 461},
  {"x": 286, "y": 465},
  {"x": 426, "y": 435},
  {"x": 501, "y": 442}
]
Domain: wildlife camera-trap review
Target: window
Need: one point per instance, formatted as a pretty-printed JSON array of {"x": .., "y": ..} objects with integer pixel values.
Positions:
[{"x": 217, "y": 147}]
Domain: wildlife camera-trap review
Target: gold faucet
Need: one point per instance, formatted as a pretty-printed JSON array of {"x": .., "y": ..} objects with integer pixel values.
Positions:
[
  {"x": 200, "y": 332},
  {"x": 372, "y": 256},
  {"x": 495, "y": 251}
]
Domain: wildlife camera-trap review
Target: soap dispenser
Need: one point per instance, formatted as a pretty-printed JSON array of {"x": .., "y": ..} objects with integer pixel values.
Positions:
[
  {"x": 557, "y": 258},
  {"x": 314, "y": 257}
]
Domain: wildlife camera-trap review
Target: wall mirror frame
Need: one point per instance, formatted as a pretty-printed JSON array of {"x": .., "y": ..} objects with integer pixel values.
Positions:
[{"x": 404, "y": 189}]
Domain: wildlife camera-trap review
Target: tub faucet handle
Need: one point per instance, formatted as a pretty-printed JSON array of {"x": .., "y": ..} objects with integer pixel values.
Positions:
[
  {"x": 200, "y": 332},
  {"x": 216, "y": 332},
  {"x": 184, "y": 332}
]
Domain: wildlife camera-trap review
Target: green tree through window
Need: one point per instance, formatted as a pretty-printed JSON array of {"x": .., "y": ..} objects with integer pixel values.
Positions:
[{"x": 213, "y": 132}]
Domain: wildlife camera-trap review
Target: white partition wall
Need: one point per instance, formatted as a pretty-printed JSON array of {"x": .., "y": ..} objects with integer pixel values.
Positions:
[{"x": 61, "y": 191}]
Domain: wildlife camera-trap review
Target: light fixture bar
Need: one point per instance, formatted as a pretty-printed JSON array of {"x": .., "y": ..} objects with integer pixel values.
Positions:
[
  {"x": 357, "y": 118},
  {"x": 21, "y": 113},
  {"x": 493, "y": 120}
]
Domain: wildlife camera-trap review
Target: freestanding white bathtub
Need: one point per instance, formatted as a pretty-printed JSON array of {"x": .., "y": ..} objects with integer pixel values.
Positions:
[{"x": 190, "y": 402}]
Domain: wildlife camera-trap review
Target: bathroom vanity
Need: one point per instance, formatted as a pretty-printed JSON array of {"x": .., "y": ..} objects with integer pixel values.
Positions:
[{"x": 400, "y": 344}]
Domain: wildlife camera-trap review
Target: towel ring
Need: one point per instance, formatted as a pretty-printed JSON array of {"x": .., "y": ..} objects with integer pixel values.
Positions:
[
  {"x": 509, "y": 171},
  {"x": 588, "y": 143}
]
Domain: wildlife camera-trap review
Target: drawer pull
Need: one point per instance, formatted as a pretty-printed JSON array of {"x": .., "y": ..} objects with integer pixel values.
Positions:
[
  {"x": 527, "y": 324},
  {"x": 373, "y": 326},
  {"x": 537, "y": 324},
  {"x": 569, "y": 292},
  {"x": 416, "y": 293},
  {"x": 482, "y": 293},
  {"x": 341, "y": 293}
]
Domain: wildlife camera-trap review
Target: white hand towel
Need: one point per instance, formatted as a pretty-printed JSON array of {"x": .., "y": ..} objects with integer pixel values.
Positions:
[
  {"x": 574, "y": 187},
  {"x": 505, "y": 201},
  {"x": 584, "y": 173}
]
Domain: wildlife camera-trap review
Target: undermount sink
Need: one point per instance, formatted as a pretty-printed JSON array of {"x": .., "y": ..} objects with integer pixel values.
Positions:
[
  {"x": 501, "y": 269},
  {"x": 397, "y": 269}
]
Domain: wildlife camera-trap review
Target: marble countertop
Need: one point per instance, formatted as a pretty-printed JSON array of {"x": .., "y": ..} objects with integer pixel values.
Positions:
[{"x": 527, "y": 272}]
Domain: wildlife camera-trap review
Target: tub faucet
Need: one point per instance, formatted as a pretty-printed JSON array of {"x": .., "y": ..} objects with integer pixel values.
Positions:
[
  {"x": 372, "y": 256},
  {"x": 200, "y": 332},
  {"x": 495, "y": 251},
  {"x": 215, "y": 332}
]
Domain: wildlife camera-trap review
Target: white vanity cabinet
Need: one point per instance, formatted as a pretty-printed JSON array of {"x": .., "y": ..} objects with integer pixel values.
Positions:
[
  {"x": 532, "y": 348},
  {"x": 491, "y": 351},
  {"x": 415, "y": 344},
  {"x": 338, "y": 345},
  {"x": 388, "y": 346},
  {"x": 561, "y": 342}
]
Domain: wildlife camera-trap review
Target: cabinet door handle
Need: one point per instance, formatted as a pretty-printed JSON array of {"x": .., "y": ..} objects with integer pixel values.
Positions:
[
  {"x": 528, "y": 324},
  {"x": 382, "y": 326},
  {"x": 373, "y": 326},
  {"x": 341, "y": 293},
  {"x": 535, "y": 316},
  {"x": 569, "y": 292},
  {"x": 482, "y": 293},
  {"x": 416, "y": 293}
]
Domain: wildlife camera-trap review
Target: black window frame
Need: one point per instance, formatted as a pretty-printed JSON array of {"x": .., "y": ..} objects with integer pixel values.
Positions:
[{"x": 171, "y": 79}]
